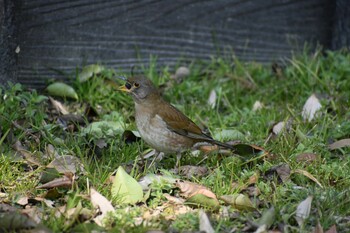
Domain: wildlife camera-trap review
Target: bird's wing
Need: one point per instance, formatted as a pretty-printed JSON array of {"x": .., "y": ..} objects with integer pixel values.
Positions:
[{"x": 179, "y": 123}]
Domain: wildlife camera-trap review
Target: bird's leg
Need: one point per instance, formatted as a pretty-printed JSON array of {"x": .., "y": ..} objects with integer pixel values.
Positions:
[
  {"x": 178, "y": 158},
  {"x": 158, "y": 156}
]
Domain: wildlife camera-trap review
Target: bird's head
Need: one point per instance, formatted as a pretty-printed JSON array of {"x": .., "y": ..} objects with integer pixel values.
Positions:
[{"x": 140, "y": 88}]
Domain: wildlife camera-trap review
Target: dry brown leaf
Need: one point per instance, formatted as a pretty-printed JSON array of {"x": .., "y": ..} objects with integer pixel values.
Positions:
[
  {"x": 47, "y": 202},
  {"x": 51, "y": 151},
  {"x": 174, "y": 200},
  {"x": 190, "y": 189},
  {"x": 318, "y": 228},
  {"x": 282, "y": 170},
  {"x": 308, "y": 175},
  {"x": 333, "y": 229},
  {"x": 65, "y": 181},
  {"x": 339, "y": 144},
  {"x": 253, "y": 179},
  {"x": 191, "y": 171},
  {"x": 34, "y": 213},
  {"x": 58, "y": 106},
  {"x": 66, "y": 163},
  {"x": 99, "y": 201},
  {"x": 307, "y": 157},
  {"x": 28, "y": 156},
  {"x": 22, "y": 201}
]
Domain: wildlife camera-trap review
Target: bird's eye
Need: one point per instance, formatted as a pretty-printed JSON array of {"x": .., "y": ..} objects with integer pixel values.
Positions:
[
  {"x": 128, "y": 86},
  {"x": 136, "y": 85}
]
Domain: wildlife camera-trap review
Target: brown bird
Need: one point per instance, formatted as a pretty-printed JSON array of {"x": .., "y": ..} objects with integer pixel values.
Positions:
[{"x": 160, "y": 124}]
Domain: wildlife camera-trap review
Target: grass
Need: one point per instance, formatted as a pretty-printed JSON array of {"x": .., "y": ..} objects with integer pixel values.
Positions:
[{"x": 238, "y": 86}]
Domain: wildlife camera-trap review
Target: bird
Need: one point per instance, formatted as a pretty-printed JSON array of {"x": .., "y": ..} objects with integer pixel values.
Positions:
[{"x": 161, "y": 125}]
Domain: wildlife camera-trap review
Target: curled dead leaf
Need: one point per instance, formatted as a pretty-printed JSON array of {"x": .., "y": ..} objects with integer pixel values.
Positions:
[
  {"x": 99, "y": 201},
  {"x": 58, "y": 106},
  {"x": 308, "y": 175},
  {"x": 65, "y": 181},
  {"x": 189, "y": 189},
  {"x": 238, "y": 201}
]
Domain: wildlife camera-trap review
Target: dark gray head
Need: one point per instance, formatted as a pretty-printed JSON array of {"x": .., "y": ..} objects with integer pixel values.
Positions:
[{"x": 140, "y": 88}]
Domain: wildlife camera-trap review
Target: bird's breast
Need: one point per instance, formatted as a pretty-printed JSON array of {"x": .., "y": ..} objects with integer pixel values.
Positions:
[{"x": 155, "y": 132}]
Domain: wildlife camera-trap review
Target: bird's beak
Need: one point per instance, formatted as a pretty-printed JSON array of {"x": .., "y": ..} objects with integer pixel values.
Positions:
[{"x": 123, "y": 88}]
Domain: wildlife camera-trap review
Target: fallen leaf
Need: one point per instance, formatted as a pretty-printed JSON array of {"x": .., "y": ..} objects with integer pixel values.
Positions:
[
  {"x": 212, "y": 99},
  {"x": 318, "y": 228},
  {"x": 34, "y": 213},
  {"x": 193, "y": 171},
  {"x": 283, "y": 171},
  {"x": 278, "y": 128},
  {"x": 339, "y": 144},
  {"x": 253, "y": 179},
  {"x": 204, "y": 223},
  {"x": 311, "y": 108},
  {"x": 48, "y": 175},
  {"x": 65, "y": 181},
  {"x": 174, "y": 200},
  {"x": 99, "y": 201},
  {"x": 303, "y": 210},
  {"x": 150, "y": 178},
  {"x": 14, "y": 222},
  {"x": 125, "y": 189},
  {"x": 62, "y": 90},
  {"x": 257, "y": 106},
  {"x": 89, "y": 71},
  {"x": 333, "y": 229},
  {"x": 22, "y": 201},
  {"x": 58, "y": 106},
  {"x": 129, "y": 137},
  {"x": 181, "y": 73},
  {"x": 51, "y": 152},
  {"x": 307, "y": 157},
  {"x": 66, "y": 164},
  {"x": 189, "y": 189},
  {"x": 27, "y": 155},
  {"x": 308, "y": 175},
  {"x": 238, "y": 201},
  {"x": 267, "y": 218},
  {"x": 100, "y": 129},
  {"x": 200, "y": 200},
  {"x": 229, "y": 134}
]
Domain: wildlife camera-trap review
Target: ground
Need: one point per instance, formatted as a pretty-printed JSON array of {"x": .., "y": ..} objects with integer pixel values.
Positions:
[{"x": 68, "y": 151}]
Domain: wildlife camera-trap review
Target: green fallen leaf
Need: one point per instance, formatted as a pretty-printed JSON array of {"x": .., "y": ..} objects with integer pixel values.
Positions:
[
  {"x": 201, "y": 200},
  {"x": 267, "y": 218},
  {"x": 62, "y": 90},
  {"x": 89, "y": 71},
  {"x": 125, "y": 189},
  {"x": 104, "y": 128},
  {"x": 229, "y": 134},
  {"x": 238, "y": 201}
]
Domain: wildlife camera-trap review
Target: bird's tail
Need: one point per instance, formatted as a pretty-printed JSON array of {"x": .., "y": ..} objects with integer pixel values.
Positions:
[{"x": 225, "y": 145}]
